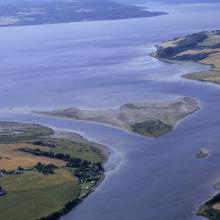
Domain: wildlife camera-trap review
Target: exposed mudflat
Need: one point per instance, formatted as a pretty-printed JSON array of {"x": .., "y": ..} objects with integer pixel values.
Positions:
[{"x": 128, "y": 115}]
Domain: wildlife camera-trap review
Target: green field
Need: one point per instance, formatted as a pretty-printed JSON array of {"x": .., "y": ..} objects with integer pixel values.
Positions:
[
  {"x": 84, "y": 151},
  {"x": 32, "y": 195},
  {"x": 212, "y": 40},
  {"x": 14, "y": 132},
  {"x": 34, "y": 192},
  {"x": 206, "y": 76}
]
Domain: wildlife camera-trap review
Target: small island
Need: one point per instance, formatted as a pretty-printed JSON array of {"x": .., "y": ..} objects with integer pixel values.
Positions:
[
  {"x": 151, "y": 119},
  {"x": 201, "y": 153},
  {"x": 39, "y": 166},
  {"x": 202, "y": 47}
]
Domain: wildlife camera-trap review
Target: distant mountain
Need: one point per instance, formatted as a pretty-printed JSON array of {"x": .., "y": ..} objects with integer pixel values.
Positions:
[{"x": 30, "y": 12}]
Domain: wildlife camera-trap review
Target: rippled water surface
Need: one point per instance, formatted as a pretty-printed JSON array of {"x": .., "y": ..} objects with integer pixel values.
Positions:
[{"x": 106, "y": 64}]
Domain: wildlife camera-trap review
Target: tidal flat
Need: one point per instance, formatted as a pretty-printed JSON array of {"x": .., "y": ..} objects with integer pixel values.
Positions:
[{"x": 147, "y": 119}]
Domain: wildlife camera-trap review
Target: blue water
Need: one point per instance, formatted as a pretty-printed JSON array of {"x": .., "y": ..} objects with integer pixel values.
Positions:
[{"x": 106, "y": 64}]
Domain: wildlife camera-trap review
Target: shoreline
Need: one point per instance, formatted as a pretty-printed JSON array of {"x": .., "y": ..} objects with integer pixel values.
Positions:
[
  {"x": 121, "y": 129},
  {"x": 150, "y": 119},
  {"x": 191, "y": 75},
  {"x": 200, "y": 76},
  {"x": 70, "y": 205},
  {"x": 201, "y": 48},
  {"x": 45, "y": 138},
  {"x": 71, "y": 12},
  {"x": 209, "y": 208},
  {"x": 104, "y": 150}
]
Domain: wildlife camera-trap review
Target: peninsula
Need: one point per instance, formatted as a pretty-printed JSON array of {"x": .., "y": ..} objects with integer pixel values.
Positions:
[
  {"x": 33, "y": 12},
  {"x": 151, "y": 119},
  {"x": 203, "y": 47},
  {"x": 45, "y": 173}
]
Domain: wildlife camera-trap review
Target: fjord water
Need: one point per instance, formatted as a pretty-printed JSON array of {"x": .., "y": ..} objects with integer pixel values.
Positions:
[{"x": 106, "y": 64}]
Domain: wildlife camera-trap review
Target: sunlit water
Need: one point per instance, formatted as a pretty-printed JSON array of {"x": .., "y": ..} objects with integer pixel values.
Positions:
[{"x": 106, "y": 64}]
